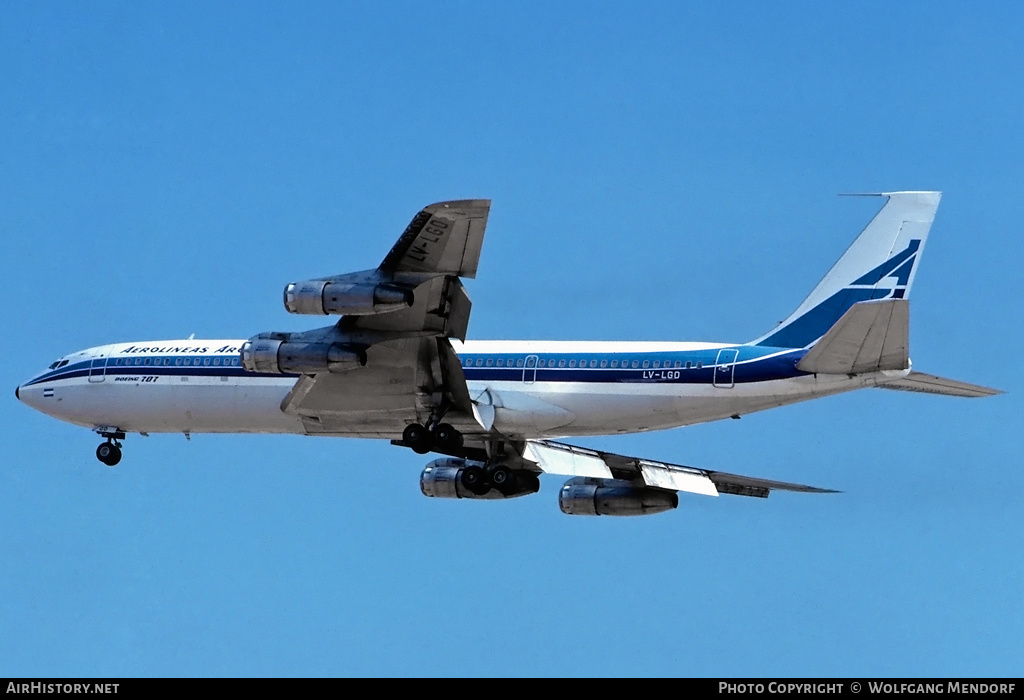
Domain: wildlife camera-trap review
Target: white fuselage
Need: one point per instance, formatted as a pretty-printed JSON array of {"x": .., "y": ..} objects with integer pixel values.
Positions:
[{"x": 536, "y": 389}]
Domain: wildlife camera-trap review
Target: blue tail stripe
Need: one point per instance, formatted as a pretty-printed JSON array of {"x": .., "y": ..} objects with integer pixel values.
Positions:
[
  {"x": 816, "y": 322},
  {"x": 902, "y": 274},
  {"x": 886, "y": 268}
]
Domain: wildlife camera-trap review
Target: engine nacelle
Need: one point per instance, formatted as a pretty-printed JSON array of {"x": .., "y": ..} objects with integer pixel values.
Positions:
[
  {"x": 275, "y": 356},
  {"x": 443, "y": 478},
  {"x": 323, "y": 297},
  {"x": 586, "y": 496}
]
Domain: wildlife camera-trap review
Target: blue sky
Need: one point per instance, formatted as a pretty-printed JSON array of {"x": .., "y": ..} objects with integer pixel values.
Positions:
[{"x": 658, "y": 171}]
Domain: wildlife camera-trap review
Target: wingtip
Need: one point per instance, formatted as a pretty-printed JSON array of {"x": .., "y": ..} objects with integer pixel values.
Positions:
[
  {"x": 458, "y": 204},
  {"x": 928, "y": 196}
]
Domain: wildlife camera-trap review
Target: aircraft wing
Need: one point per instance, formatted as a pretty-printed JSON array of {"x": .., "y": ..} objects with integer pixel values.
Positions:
[
  {"x": 444, "y": 238},
  {"x": 410, "y": 363},
  {"x": 441, "y": 244},
  {"x": 569, "y": 460},
  {"x": 400, "y": 384}
]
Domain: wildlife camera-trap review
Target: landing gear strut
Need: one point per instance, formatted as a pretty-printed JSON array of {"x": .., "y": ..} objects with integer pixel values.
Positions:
[
  {"x": 436, "y": 435},
  {"x": 109, "y": 452}
]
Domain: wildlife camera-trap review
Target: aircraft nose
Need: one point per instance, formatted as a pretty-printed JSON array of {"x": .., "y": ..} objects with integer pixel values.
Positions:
[{"x": 17, "y": 395}]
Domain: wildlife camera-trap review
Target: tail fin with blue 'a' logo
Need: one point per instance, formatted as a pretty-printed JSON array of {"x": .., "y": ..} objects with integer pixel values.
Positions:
[{"x": 880, "y": 264}]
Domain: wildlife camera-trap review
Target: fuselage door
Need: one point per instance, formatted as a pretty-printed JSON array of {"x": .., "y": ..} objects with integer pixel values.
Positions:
[
  {"x": 98, "y": 369},
  {"x": 530, "y": 371},
  {"x": 725, "y": 368}
]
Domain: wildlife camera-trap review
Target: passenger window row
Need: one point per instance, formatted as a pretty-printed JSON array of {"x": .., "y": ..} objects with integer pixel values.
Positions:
[
  {"x": 173, "y": 361},
  {"x": 582, "y": 363}
]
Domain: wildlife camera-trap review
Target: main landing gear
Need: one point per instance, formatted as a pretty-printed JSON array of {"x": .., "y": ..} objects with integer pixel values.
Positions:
[
  {"x": 422, "y": 440},
  {"x": 109, "y": 452}
]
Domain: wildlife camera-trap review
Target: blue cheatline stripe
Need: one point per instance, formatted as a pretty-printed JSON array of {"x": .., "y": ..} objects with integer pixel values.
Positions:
[
  {"x": 752, "y": 364},
  {"x": 86, "y": 368},
  {"x": 63, "y": 372}
]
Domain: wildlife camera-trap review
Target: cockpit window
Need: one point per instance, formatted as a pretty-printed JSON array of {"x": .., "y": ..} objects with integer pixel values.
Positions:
[
  {"x": 54, "y": 365},
  {"x": 62, "y": 363}
]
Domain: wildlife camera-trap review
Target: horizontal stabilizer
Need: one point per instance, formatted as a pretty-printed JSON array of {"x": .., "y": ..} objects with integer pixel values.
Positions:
[
  {"x": 930, "y": 384},
  {"x": 870, "y": 337},
  {"x": 570, "y": 460}
]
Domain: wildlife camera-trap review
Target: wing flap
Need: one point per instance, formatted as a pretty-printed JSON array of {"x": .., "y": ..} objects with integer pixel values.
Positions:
[
  {"x": 453, "y": 377},
  {"x": 570, "y": 460},
  {"x": 930, "y": 384},
  {"x": 566, "y": 460},
  {"x": 675, "y": 478},
  {"x": 870, "y": 337}
]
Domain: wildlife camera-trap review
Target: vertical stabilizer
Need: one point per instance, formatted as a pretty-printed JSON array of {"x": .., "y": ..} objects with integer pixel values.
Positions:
[{"x": 881, "y": 264}]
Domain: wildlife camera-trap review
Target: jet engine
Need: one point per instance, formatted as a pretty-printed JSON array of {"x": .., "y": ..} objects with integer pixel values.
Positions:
[
  {"x": 323, "y": 297},
  {"x": 276, "y": 356},
  {"x": 460, "y": 478},
  {"x": 587, "y": 496}
]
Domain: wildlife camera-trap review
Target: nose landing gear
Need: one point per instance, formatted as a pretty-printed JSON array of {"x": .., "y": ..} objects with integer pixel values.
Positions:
[{"x": 109, "y": 452}]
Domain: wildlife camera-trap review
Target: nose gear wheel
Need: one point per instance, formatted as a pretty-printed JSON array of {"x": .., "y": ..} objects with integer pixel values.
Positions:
[{"x": 109, "y": 452}]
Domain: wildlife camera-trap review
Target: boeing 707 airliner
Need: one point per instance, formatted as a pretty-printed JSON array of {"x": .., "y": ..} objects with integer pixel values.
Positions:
[{"x": 397, "y": 366}]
